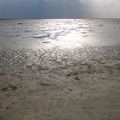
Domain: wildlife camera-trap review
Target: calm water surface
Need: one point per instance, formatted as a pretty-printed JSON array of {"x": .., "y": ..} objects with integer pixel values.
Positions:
[
  {"x": 58, "y": 42},
  {"x": 69, "y": 33}
]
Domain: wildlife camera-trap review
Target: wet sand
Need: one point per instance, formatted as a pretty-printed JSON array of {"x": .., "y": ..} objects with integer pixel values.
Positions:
[{"x": 52, "y": 82}]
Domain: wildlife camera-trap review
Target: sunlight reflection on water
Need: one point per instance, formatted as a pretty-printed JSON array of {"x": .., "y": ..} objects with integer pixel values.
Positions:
[{"x": 63, "y": 33}]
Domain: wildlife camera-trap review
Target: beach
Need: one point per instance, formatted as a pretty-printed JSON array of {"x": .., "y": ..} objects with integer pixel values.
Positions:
[{"x": 60, "y": 69}]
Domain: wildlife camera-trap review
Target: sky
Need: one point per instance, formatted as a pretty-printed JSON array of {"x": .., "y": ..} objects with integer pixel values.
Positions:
[{"x": 34, "y": 9}]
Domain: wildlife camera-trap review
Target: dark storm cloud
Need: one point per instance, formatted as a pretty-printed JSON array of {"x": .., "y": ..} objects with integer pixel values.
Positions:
[
  {"x": 58, "y": 8},
  {"x": 21, "y": 8},
  {"x": 41, "y": 9}
]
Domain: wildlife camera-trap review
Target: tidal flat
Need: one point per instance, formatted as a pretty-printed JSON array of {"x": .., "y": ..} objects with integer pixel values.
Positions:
[{"x": 60, "y": 69}]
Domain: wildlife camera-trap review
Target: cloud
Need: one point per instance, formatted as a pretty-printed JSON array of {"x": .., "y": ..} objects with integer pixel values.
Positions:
[
  {"x": 42, "y": 9},
  {"x": 106, "y": 8},
  {"x": 59, "y": 8}
]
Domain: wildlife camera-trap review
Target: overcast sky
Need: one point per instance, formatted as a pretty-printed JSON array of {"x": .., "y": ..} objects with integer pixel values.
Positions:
[{"x": 19, "y": 9}]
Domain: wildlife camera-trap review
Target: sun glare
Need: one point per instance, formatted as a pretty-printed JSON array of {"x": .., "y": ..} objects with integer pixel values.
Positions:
[{"x": 70, "y": 40}]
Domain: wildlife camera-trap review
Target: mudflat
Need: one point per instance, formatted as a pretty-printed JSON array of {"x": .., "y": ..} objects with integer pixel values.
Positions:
[{"x": 60, "y": 70}]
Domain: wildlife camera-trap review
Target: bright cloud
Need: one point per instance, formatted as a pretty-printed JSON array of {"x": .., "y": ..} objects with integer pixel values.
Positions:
[{"x": 103, "y": 8}]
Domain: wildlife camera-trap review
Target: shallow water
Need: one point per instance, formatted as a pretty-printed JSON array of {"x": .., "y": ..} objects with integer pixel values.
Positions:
[
  {"x": 52, "y": 43},
  {"x": 63, "y": 33}
]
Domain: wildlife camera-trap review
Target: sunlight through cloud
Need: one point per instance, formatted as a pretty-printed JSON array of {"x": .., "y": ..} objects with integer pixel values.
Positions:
[{"x": 106, "y": 9}]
